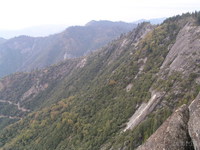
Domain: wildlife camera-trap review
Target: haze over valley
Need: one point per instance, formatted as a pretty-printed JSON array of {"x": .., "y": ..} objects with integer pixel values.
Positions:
[{"x": 112, "y": 83}]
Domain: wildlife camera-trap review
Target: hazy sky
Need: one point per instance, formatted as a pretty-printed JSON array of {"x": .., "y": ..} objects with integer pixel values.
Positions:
[{"x": 17, "y": 14}]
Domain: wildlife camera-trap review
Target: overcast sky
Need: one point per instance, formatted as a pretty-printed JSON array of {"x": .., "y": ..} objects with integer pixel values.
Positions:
[{"x": 18, "y": 14}]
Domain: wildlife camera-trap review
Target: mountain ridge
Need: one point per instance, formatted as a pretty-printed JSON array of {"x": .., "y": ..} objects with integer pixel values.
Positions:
[
  {"x": 91, "y": 101},
  {"x": 26, "y": 53}
]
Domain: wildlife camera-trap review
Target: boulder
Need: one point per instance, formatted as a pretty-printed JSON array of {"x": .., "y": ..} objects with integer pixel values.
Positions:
[{"x": 172, "y": 134}]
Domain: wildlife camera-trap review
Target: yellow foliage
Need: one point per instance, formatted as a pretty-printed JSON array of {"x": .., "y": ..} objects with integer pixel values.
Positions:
[
  {"x": 58, "y": 125},
  {"x": 112, "y": 82},
  {"x": 69, "y": 121},
  {"x": 54, "y": 114},
  {"x": 63, "y": 104},
  {"x": 34, "y": 123},
  {"x": 43, "y": 123},
  {"x": 36, "y": 115}
]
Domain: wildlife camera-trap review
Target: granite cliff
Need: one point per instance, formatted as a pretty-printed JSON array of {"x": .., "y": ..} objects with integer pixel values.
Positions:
[{"x": 141, "y": 91}]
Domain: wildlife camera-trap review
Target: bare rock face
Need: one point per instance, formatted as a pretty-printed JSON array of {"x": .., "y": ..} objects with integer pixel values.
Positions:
[
  {"x": 173, "y": 133},
  {"x": 194, "y": 122},
  {"x": 131, "y": 39},
  {"x": 143, "y": 111},
  {"x": 184, "y": 54}
]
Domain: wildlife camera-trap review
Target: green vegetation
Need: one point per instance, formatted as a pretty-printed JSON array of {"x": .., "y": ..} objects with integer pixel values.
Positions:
[
  {"x": 26, "y": 53},
  {"x": 197, "y": 16},
  {"x": 5, "y": 122},
  {"x": 10, "y": 110},
  {"x": 134, "y": 138},
  {"x": 89, "y": 106}
]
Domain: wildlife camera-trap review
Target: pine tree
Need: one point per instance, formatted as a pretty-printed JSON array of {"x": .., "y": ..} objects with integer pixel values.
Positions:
[{"x": 198, "y": 18}]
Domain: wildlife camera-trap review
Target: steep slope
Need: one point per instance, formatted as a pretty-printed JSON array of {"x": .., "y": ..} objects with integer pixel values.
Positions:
[
  {"x": 179, "y": 132},
  {"x": 177, "y": 82},
  {"x": 19, "y": 90},
  {"x": 193, "y": 124},
  {"x": 91, "y": 107},
  {"x": 34, "y": 83},
  {"x": 173, "y": 133},
  {"x": 25, "y": 53}
]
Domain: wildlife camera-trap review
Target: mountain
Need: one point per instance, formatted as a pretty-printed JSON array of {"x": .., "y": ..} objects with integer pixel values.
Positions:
[
  {"x": 46, "y": 30},
  {"x": 139, "y": 91},
  {"x": 2, "y": 40},
  {"x": 152, "y": 21},
  {"x": 26, "y": 53},
  {"x": 106, "y": 23},
  {"x": 36, "y": 31}
]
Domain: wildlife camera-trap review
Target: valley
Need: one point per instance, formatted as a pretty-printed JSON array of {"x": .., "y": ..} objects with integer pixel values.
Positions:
[{"x": 139, "y": 91}]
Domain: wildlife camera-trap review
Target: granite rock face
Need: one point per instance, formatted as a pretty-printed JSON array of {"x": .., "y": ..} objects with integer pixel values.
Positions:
[
  {"x": 194, "y": 122},
  {"x": 184, "y": 54},
  {"x": 172, "y": 134},
  {"x": 181, "y": 131}
]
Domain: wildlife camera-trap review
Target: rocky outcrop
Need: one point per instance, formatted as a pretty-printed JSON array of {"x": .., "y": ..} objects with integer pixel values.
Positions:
[
  {"x": 183, "y": 56},
  {"x": 173, "y": 133},
  {"x": 143, "y": 111},
  {"x": 194, "y": 122},
  {"x": 181, "y": 131},
  {"x": 131, "y": 39},
  {"x": 128, "y": 87}
]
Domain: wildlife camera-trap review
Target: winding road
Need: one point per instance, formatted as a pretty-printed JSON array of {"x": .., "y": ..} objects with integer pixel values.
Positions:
[
  {"x": 18, "y": 107},
  {"x": 10, "y": 117}
]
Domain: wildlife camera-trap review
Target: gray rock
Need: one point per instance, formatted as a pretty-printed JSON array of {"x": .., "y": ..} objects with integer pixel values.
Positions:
[
  {"x": 172, "y": 134},
  {"x": 184, "y": 54},
  {"x": 194, "y": 122}
]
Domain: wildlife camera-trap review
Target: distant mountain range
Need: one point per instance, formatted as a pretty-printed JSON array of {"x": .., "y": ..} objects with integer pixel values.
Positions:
[
  {"x": 26, "y": 53},
  {"x": 35, "y": 31},
  {"x": 152, "y": 21},
  {"x": 46, "y": 30},
  {"x": 139, "y": 92}
]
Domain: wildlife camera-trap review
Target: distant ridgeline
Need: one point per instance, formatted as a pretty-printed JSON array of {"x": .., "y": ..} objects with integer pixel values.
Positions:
[
  {"x": 117, "y": 97},
  {"x": 26, "y": 53}
]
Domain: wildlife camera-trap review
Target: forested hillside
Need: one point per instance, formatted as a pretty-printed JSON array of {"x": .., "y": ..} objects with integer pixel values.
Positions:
[{"x": 114, "y": 98}]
